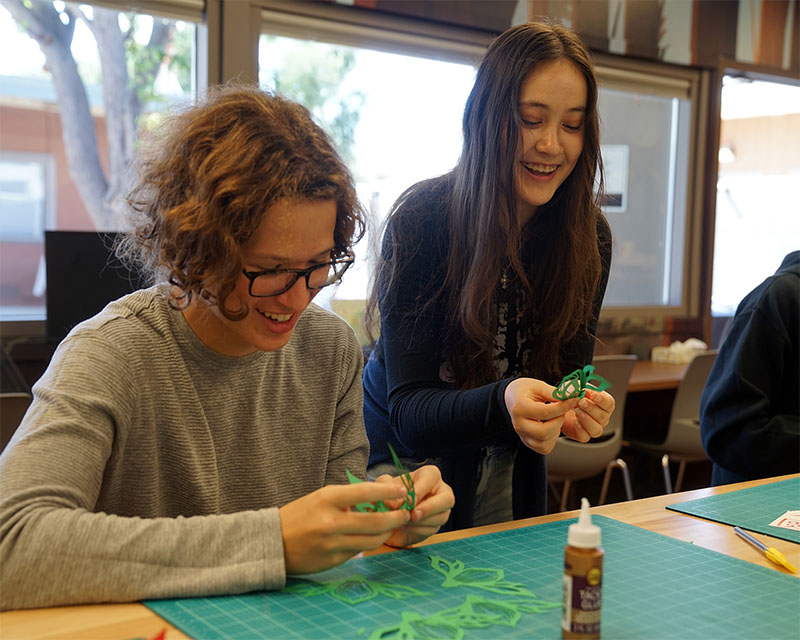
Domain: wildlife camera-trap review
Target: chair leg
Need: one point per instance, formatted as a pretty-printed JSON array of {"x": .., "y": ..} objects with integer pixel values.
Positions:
[
  {"x": 665, "y": 469},
  {"x": 565, "y": 495},
  {"x": 620, "y": 464},
  {"x": 606, "y": 478},
  {"x": 626, "y": 477},
  {"x": 679, "y": 481},
  {"x": 554, "y": 488}
]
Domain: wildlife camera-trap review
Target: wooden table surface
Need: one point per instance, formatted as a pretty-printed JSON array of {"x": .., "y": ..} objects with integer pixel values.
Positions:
[
  {"x": 654, "y": 376},
  {"x": 127, "y": 621}
]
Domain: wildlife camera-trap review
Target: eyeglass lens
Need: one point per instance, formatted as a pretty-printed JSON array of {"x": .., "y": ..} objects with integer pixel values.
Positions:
[{"x": 316, "y": 278}]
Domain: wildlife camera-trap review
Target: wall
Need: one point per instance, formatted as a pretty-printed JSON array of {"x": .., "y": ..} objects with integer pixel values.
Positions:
[
  {"x": 36, "y": 127},
  {"x": 767, "y": 144},
  {"x": 687, "y": 32}
]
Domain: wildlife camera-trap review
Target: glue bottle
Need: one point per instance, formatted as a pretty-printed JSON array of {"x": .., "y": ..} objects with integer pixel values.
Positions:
[{"x": 583, "y": 574}]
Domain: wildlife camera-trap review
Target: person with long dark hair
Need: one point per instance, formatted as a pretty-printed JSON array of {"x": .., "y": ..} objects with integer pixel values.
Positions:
[{"x": 490, "y": 284}]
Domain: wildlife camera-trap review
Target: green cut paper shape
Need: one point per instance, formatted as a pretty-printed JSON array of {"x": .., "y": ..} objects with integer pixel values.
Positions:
[
  {"x": 408, "y": 483},
  {"x": 354, "y": 589},
  {"x": 405, "y": 476},
  {"x": 365, "y": 506},
  {"x": 475, "y": 611},
  {"x": 457, "y": 575},
  {"x": 576, "y": 383}
]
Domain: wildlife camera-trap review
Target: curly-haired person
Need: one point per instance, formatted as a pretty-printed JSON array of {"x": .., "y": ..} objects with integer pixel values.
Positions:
[{"x": 193, "y": 438}]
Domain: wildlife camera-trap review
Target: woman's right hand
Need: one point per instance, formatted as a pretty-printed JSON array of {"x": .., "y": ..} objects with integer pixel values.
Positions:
[
  {"x": 321, "y": 530},
  {"x": 536, "y": 417}
]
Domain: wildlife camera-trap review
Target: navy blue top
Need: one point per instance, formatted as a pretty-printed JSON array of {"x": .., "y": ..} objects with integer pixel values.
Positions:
[
  {"x": 409, "y": 397},
  {"x": 749, "y": 410}
]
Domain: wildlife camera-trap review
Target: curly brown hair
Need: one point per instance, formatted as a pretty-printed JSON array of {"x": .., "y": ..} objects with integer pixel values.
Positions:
[{"x": 203, "y": 189}]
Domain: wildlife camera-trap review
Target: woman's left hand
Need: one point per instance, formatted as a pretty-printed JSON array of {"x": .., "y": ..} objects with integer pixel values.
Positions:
[
  {"x": 433, "y": 500},
  {"x": 590, "y": 417}
]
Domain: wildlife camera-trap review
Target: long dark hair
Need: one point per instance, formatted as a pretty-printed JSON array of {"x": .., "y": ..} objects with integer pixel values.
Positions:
[{"x": 558, "y": 273}]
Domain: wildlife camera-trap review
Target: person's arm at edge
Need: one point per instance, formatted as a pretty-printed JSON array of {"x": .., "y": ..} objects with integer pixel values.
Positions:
[{"x": 52, "y": 474}]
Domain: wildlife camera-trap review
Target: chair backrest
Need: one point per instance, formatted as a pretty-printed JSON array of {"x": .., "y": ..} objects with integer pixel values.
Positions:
[
  {"x": 617, "y": 370},
  {"x": 684, "y": 423},
  {"x": 12, "y": 409}
]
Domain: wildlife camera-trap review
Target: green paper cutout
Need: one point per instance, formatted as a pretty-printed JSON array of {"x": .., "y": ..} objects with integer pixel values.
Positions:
[
  {"x": 354, "y": 589},
  {"x": 475, "y": 612},
  {"x": 408, "y": 483},
  {"x": 413, "y": 626},
  {"x": 365, "y": 506},
  {"x": 576, "y": 383},
  {"x": 457, "y": 575}
]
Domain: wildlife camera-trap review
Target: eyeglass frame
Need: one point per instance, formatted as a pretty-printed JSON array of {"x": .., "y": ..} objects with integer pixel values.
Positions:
[{"x": 253, "y": 275}]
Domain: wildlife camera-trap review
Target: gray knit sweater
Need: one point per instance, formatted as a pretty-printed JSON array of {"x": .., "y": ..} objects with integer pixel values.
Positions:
[{"x": 151, "y": 466}]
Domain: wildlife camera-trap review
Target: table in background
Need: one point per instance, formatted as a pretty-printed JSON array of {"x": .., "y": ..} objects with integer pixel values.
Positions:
[
  {"x": 655, "y": 376},
  {"x": 125, "y": 621}
]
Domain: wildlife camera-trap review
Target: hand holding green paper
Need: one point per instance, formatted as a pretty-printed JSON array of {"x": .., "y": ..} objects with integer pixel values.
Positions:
[
  {"x": 408, "y": 483},
  {"x": 594, "y": 409}
]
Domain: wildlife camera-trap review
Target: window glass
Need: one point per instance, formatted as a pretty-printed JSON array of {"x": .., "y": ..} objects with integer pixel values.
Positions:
[
  {"x": 758, "y": 217},
  {"x": 26, "y": 194},
  {"x": 57, "y": 168},
  {"x": 395, "y": 119},
  {"x": 645, "y": 147}
]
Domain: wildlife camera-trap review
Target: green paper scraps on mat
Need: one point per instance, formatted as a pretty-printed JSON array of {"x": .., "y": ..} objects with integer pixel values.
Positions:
[
  {"x": 475, "y": 612},
  {"x": 576, "y": 383},
  {"x": 405, "y": 476},
  {"x": 354, "y": 589},
  {"x": 457, "y": 575}
]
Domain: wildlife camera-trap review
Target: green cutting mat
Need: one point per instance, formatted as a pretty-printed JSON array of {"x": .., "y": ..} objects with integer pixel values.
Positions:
[
  {"x": 653, "y": 587},
  {"x": 752, "y": 509}
]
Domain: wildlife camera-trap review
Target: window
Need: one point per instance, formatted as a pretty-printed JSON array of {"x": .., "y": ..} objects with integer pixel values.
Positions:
[
  {"x": 26, "y": 195},
  {"x": 649, "y": 125},
  {"x": 757, "y": 220},
  {"x": 395, "y": 119},
  {"x": 46, "y": 183},
  {"x": 646, "y": 125}
]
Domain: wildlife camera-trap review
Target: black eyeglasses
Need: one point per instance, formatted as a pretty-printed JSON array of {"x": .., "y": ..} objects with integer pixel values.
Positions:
[{"x": 273, "y": 282}]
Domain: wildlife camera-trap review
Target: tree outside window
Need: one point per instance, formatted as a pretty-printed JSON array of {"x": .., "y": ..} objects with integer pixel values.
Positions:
[{"x": 80, "y": 84}]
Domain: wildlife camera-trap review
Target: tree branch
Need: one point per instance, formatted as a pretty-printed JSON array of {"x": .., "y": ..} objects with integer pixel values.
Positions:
[{"x": 42, "y": 23}]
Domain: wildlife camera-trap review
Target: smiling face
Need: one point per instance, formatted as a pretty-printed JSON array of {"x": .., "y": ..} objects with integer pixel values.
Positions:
[
  {"x": 292, "y": 235},
  {"x": 552, "y": 108}
]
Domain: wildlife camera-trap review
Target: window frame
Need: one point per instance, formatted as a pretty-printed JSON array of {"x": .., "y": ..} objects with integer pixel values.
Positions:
[{"x": 666, "y": 80}]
